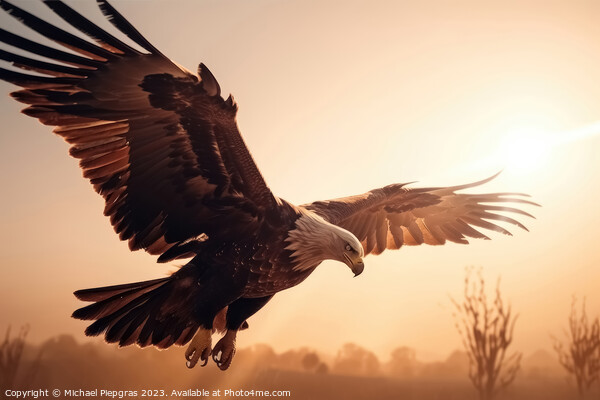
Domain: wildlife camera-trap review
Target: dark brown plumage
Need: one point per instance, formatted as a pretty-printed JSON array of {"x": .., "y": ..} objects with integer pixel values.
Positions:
[{"x": 163, "y": 149}]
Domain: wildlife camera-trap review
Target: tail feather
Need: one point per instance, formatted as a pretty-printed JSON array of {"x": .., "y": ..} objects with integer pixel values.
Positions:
[
  {"x": 156, "y": 312},
  {"x": 132, "y": 333},
  {"x": 108, "y": 321},
  {"x": 118, "y": 322},
  {"x": 101, "y": 293},
  {"x": 118, "y": 301},
  {"x": 186, "y": 336}
]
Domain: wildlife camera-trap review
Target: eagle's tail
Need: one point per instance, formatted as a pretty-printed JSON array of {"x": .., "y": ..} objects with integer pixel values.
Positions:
[{"x": 155, "y": 312}]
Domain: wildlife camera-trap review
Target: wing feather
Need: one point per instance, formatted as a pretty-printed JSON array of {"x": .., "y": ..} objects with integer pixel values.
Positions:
[
  {"x": 381, "y": 232},
  {"x": 408, "y": 238},
  {"x": 393, "y": 216},
  {"x": 58, "y": 35},
  {"x": 84, "y": 25},
  {"x": 29, "y": 64},
  {"x": 155, "y": 140},
  {"x": 22, "y": 43}
]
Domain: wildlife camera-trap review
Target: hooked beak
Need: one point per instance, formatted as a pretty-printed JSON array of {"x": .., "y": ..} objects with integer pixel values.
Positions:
[{"x": 356, "y": 264}]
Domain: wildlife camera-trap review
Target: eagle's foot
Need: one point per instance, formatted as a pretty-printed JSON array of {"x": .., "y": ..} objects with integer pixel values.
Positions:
[
  {"x": 224, "y": 350},
  {"x": 199, "y": 348}
]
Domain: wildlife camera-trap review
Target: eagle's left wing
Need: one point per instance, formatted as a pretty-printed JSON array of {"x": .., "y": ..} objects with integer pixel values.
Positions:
[
  {"x": 392, "y": 216},
  {"x": 156, "y": 141}
]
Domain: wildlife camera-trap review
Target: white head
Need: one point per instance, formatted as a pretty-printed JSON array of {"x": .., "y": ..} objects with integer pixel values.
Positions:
[{"x": 315, "y": 240}]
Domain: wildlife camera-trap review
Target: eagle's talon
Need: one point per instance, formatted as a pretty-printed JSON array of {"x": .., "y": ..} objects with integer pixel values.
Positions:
[
  {"x": 224, "y": 350},
  {"x": 204, "y": 358},
  {"x": 199, "y": 348}
]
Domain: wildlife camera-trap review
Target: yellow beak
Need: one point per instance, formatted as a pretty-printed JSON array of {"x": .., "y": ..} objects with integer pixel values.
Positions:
[{"x": 356, "y": 264}]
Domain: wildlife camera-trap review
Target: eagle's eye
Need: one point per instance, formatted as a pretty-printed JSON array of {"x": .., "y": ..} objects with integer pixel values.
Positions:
[{"x": 348, "y": 247}]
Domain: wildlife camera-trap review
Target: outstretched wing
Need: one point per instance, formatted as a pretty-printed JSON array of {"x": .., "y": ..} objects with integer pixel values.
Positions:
[
  {"x": 156, "y": 141},
  {"x": 393, "y": 216}
]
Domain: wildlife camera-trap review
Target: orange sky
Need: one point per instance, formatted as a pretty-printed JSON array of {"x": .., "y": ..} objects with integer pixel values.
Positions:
[{"x": 337, "y": 100}]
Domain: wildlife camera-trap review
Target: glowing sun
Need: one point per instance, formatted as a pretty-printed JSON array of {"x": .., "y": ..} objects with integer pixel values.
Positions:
[{"x": 525, "y": 149}]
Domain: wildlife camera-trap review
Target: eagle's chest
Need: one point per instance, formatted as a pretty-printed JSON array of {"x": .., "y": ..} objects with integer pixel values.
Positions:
[
  {"x": 265, "y": 270},
  {"x": 266, "y": 280},
  {"x": 261, "y": 265}
]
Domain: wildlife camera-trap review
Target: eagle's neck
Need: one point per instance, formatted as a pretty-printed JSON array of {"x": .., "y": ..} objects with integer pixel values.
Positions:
[{"x": 312, "y": 241}]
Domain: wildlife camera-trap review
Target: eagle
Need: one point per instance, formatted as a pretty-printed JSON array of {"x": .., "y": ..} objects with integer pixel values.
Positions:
[{"x": 162, "y": 147}]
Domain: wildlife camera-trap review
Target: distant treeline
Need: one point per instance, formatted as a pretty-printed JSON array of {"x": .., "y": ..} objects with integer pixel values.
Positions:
[{"x": 354, "y": 372}]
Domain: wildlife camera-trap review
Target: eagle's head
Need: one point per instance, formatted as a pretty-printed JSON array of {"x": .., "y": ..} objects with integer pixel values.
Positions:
[
  {"x": 353, "y": 252},
  {"x": 314, "y": 240}
]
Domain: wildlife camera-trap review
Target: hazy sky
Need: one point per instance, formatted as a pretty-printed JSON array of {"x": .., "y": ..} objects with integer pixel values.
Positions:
[{"x": 337, "y": 98}]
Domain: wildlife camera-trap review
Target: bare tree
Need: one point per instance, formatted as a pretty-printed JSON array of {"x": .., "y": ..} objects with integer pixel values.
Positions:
[
  {"x": 11, "y": 361},
  {"x": 11, "y": 351},
  {"x": 580, "y": 355},
  {"x": 487, "y": 332}
]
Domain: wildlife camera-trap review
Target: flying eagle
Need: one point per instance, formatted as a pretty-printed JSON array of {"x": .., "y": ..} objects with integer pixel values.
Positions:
[{"x": 163, "y": 149}]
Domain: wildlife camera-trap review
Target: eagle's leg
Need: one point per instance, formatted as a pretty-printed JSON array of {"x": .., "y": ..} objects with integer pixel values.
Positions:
[
  {"x": 199, "y": 348},
  {"x": 237, "y": 313}
]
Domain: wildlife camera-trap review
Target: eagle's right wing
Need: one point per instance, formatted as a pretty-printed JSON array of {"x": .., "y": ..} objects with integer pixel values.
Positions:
[
  {"x": 156, "y": 141},
  {"x": 393, "y": 216}
]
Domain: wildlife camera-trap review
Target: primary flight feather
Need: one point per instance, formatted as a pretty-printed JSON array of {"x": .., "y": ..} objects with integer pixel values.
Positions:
[{"x": 163, "y": 149}]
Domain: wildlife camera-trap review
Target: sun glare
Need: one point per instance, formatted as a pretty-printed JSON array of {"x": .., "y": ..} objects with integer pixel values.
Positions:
[
  {"x": 528, "y": 147},
  {"x": 525, "y": 149}
]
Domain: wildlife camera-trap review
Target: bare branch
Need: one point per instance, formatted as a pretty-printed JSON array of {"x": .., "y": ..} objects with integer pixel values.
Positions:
[
  {"x": 11, "y": 351},
  {"x": 487, "y": 332},
  {"x": 580, "y": 354}
]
